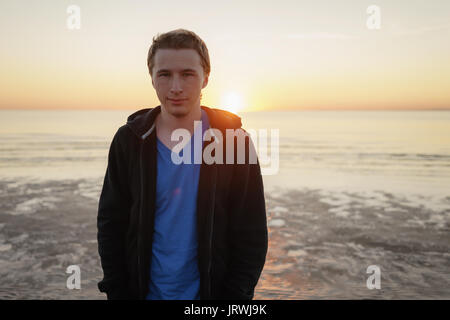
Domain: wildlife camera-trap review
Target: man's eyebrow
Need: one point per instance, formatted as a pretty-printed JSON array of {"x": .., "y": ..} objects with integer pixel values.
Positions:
[{"x": 184, "y": 70}]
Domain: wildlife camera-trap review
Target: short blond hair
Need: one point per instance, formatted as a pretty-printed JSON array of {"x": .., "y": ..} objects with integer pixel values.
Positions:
[{"x": 179, "y": 39}]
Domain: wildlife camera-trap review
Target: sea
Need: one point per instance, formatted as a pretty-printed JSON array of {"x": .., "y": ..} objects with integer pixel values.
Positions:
[
  {"x": 405, "y": 151},
  {"x": 347, "y": 190}
]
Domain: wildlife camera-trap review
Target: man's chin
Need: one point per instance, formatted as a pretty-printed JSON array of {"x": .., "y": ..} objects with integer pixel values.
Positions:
[{"x": 178, "y": 111}]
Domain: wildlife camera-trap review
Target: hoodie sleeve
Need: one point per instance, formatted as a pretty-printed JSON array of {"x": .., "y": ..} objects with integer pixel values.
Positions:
[
  {"x": 113, "y": 210},
  {"x": 248, "y": 229}
]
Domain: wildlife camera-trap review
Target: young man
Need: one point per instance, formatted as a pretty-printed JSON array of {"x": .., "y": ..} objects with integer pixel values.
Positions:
[{"x": 188, "y": 231}]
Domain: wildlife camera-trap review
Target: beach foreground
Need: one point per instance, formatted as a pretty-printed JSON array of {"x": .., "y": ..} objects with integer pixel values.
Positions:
[{"x": 320, "y": 243}]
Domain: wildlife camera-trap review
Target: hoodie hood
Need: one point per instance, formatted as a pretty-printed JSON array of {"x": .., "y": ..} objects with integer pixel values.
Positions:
[{"x": 142, "y": 122}]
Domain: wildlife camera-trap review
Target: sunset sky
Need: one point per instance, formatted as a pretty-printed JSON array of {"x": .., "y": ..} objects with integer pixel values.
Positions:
[{"x": 265, "y": 55}]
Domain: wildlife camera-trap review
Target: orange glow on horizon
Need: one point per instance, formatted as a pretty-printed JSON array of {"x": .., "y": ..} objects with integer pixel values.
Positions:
[{"x": 308, "y": 66}]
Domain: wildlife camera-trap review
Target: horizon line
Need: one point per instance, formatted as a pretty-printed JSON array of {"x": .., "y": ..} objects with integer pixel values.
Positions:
[{"x": 243, "y": 111}]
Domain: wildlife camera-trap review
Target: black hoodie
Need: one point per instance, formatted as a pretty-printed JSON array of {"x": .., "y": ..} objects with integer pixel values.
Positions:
[{"x": 231, "y": 214}]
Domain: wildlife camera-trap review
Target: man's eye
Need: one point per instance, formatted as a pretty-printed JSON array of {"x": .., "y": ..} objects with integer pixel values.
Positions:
[{"x": 166, "y": 74}]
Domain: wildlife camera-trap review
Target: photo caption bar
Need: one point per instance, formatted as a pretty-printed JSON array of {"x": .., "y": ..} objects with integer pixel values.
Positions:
[{"x": 227, "y": 310}]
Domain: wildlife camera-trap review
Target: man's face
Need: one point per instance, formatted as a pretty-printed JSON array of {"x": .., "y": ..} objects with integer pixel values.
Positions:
[{"x": 178, "y": 74}]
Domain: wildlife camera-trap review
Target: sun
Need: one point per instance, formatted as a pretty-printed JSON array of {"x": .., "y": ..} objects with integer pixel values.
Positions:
[{"x": 232, "y": 101}]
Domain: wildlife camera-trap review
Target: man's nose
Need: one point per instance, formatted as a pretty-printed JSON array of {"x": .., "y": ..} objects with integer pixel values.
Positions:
[{"x": 176, "y": 85}]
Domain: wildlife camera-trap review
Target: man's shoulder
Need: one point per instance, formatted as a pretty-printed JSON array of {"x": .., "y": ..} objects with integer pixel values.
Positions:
[
  {"x": 225, "y": 113},
  {"x": 124, "y": 132},
  {"x": 222, "y": 119},
  {"x": 124, "y": 138}
]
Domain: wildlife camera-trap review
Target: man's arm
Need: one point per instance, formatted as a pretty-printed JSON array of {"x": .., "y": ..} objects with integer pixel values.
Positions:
[
  {"x": 112, "y": 219},
  {"x": 247, "y": 230}
]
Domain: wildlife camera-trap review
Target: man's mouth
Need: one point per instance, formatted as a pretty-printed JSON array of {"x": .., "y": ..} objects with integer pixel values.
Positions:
[{"x": 177, "y": 100}]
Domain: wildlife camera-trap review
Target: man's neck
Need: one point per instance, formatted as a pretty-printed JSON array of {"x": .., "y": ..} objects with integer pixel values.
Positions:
[{"x": 168, "y": 123}]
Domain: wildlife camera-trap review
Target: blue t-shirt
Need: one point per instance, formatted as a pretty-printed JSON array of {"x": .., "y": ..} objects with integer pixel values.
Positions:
[{"x": 174, "y": 273}]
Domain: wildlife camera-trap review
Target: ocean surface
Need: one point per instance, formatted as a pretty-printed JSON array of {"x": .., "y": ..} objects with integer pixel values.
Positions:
[
  {"x": 353, "y": 189},
  {"x": 388, "y": 150}
]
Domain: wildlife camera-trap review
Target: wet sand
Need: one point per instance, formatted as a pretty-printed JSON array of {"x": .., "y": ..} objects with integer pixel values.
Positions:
[
  {"x": 44, "y": 228},
  {"x": 320, "y": 243}
]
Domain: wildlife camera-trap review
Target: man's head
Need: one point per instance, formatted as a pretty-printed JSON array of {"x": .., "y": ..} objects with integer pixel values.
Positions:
[{"x": 178, "y": 62}]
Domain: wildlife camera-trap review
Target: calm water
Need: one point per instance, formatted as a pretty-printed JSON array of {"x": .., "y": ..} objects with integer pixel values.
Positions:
[
  {"x": 398, "y": 151},
  {"x": 353, "y": 189}
]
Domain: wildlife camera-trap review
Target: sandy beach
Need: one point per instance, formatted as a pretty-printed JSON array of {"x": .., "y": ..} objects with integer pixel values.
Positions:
[{"x": 320, "y": 243}]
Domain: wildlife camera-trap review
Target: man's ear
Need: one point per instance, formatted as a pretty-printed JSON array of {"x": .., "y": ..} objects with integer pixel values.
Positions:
[{"x": 205, "y": 81}]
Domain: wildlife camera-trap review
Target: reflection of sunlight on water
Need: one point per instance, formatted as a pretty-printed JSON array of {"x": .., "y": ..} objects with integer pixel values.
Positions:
[{"x": 282, "y": 278}]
